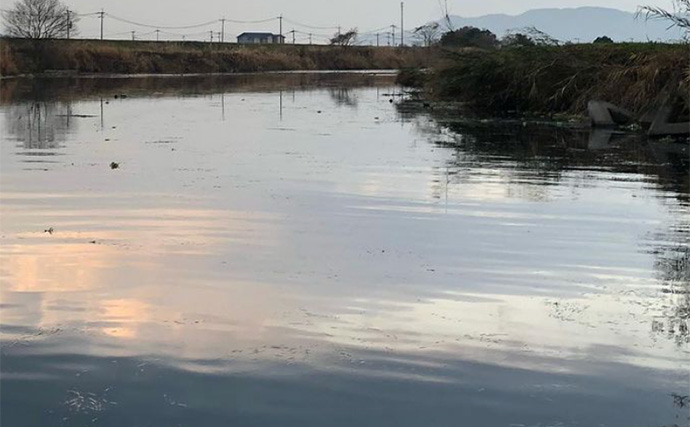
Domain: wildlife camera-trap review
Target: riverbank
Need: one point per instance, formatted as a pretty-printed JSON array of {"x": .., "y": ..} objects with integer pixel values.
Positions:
[
  {"x": 19, "y": 57},
  {"x": 557, "y": 79}
]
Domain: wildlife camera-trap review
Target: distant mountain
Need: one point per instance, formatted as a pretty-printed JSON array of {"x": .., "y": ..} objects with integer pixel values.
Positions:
[{"x": 581, "y": 24}]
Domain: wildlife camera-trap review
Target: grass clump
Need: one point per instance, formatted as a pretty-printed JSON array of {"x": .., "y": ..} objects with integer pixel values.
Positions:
[{"x": 562, "y": 79}]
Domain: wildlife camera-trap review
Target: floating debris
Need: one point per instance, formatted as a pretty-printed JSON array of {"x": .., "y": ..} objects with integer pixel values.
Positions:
[{"x": 114, "y": 165}]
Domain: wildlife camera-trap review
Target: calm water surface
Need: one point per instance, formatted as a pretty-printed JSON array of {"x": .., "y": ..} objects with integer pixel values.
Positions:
[{"x": 298, "y": 250}]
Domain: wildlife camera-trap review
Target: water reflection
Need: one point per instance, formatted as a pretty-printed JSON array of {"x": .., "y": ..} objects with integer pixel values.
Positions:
[
  {"x": 362, "y": 265},
  {"x": 39, "y": 125},
  {"x": 15, "y": 90},
  {"x": 530, "y": 156},
  {"x": 343, "y": 96}
]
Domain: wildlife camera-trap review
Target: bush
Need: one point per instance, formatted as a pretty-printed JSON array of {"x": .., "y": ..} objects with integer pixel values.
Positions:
[
  {"x": 469, "y": 37},
  {"x": 603, "y": 40}
]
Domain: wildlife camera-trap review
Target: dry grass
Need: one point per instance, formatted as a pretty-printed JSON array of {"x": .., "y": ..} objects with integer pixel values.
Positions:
[
  {"x": 150, "y": 57},
  {"x": 564, "y": 79}
]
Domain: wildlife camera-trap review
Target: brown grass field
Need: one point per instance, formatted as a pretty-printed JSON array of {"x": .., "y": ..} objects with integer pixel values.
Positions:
[{"x": 88, "y": 56}]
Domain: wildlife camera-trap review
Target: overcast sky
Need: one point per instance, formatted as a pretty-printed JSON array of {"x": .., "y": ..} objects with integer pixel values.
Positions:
[{"x": 364, "y": 14}]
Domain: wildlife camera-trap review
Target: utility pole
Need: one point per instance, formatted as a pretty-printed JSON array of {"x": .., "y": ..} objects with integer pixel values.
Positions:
[
  {"x": 393, "y": 33},
  {"x": 310, "y": 38},
  {"x": 102, "y": 15},
  {"x": 222, "y": 30},
  {"x": 157, "y": 35},
  {"x": 293, "y": 36},
  {"x": 211, "y": 32},
  {"x": 402, "y": 23},
  {"x": 281, "y": 28},
  {"x": 69, "y": 22},
  {"x": 377, "y": 39},
  {"x": 133, "y": 35}
]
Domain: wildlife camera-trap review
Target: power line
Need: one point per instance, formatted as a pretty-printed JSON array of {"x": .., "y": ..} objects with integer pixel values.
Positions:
[
  {"x": 309, "y": 26},
  {"x": 127, "y": 21},
  {"x": 260, "y": 21},
  {"x": 117, "y": 34},
  {"x": 378, "y": 30},
  {"x": 157, "y": 29}
]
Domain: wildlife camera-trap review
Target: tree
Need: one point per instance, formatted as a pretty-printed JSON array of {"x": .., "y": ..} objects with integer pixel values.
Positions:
[
  {"x": 469, "y": 37},
  {"x": 428, "y": 33},
  {"x": 344, "y": 39},
  {"x": 517, "y": 40},
  {"x": 603, "y": 40},
  {"x": 679, "y": 17},
  {"x": 39, "y": 20},
  {"x": 528, "y": 36}
]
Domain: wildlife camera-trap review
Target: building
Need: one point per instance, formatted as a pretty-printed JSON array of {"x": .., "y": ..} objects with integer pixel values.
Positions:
[{"x": 260, "y": 38}]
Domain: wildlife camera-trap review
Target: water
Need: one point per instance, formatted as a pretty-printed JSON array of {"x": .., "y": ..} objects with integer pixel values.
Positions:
[{"x": 297, "y": 250}]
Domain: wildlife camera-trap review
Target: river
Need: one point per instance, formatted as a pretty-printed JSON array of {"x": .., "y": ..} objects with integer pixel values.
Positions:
[{"x": 308, "y": 250}]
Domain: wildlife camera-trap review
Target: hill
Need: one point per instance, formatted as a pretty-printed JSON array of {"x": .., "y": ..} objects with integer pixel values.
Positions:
[{"x": 582, "y": 24}]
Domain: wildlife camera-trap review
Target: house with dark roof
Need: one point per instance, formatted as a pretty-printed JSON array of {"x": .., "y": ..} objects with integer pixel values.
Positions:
[{"x": 260, "y": 38}]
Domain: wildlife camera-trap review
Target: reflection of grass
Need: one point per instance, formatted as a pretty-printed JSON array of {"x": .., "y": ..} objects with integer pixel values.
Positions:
[
  {"x": 193, "y": 57},
  {"x": 77, "y": 89},
  {"x": 680, "y": 401}
]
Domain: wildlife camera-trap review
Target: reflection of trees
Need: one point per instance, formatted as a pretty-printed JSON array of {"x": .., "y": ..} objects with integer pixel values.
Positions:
[
  {"x": 343, "y": 96},
  {"x": 531, "y": 157},
  {"x": 94, "y": 88},
  {"x": 39, "y": 125}
]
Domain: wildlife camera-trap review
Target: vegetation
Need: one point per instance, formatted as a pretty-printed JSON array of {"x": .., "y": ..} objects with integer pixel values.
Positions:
[
  {"x": 679, "y": 17},
  {"x": 603, "y": 39},
  {"x": 562, "y": 79},
  {"x": 529, "y": 36},
  {"x": 517, "y": 40},
  {"x": 469, "y": 37},
  {"x": 39, "y": 20},
  {"x": 530, "y": 72},
  {"x": 413, "y": 78},
  {"x": 81, "y": 56},
  {"x": 428, "y": 34},
  {"x": 344, "y": 39}
]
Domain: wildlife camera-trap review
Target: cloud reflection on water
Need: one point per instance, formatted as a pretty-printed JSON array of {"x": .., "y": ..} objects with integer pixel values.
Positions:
[{"x": 348, "y": 256}]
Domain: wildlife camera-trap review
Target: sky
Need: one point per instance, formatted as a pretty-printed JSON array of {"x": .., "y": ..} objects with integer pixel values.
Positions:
[{"x": 365, "y": 15}]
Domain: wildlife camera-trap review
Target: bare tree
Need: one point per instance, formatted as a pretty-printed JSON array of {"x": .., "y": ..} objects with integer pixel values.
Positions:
[
  {"x": 678, "y": 17},
  {"x": 428, "y": 33},
  {"x": 39, "y": 20},
  {"x": 344, "y": 39}
]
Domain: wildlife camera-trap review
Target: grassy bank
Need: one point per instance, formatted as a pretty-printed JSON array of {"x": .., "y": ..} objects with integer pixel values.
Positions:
[
  {"x": 88, "y": 56},
  {"x": 558, "y": 79}
]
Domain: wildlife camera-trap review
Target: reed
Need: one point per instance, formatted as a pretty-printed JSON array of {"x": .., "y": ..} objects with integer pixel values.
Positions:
[
  {"x": 562, "y": 79},
  {"x": 171, "y": 58}
]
